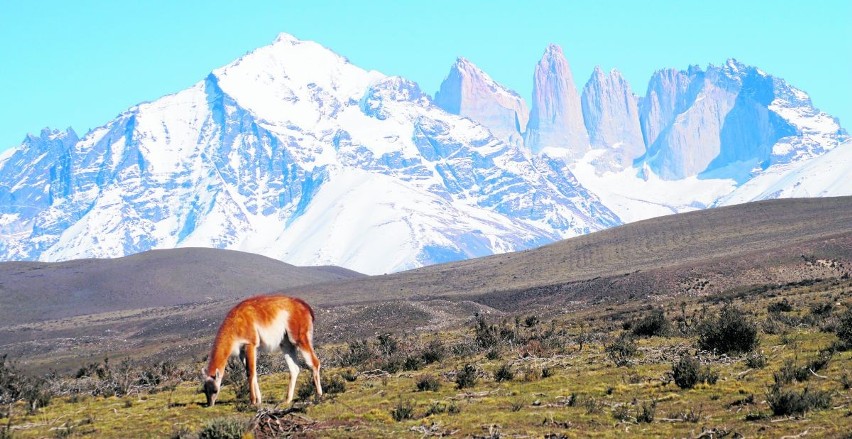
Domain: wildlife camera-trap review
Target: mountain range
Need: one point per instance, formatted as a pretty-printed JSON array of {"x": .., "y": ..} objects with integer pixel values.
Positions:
[{"x": 294, "y": 153}]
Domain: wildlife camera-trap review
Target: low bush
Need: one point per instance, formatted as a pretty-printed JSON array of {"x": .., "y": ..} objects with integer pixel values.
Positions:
[
  {"x": 504, "y": 373},
  {"x": 388, "y": 344},
  {"x": 789, "y": 402},
  {"x": 466, "y": 377},
  {"x": 646, "y": 412},
  {"x": 403, "y": 410},
  {"x": 434, "y": 351},
  {"x": 732, "y": 332},
  {"x": 790, "y": 372},
  {"x": 412, "y": 363},
  {"x": 622, "y": 350},
  {"x": 15, "y": 386},
  {"x": 223, "y": 428},
  {"x": 307, "y": 390},
  {"x": 334, "y": 385},
  {"x": 685, "y": 372},
  {"x": 531, "y": 321},
  {"x": 621, "y": 413},
  {"x": 653, "y": 324},
  {"x": 844, "y": 329},
  {"x": 756, "y": 360},
  {"x": 688, "y": 373},
  {"x": 428, "y": 383},
  {"x": 358, "y": 353},
  {"x": 485, "y": 334},
  {"x": 778, "y": 307}
]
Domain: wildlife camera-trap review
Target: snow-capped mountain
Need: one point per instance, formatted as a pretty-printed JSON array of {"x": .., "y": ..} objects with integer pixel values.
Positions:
[
  {"x": 715, "y": 121},
  {"x": 470, "y": 92},
  {"x": 294, "y": 153},
  {"x": 696, "y": 139}
]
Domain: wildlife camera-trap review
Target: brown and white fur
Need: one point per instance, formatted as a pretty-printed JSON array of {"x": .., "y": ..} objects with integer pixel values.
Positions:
[{"x": 263, "y": 322}]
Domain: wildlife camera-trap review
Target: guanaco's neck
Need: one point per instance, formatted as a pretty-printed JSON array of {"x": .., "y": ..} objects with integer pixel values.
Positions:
[{"x": 222, "y": 348}]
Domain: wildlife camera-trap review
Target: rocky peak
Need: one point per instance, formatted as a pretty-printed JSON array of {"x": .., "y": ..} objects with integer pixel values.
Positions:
[
  {"x": 49, "y": 136},
  {"x": 470, "y": 92},
  {"x": 556, "y": 120},
  {"x": 611, "y": 116}
]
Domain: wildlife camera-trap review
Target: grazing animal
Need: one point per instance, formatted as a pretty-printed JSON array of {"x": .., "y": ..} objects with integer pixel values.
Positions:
[{"x": 266, "y": 322}]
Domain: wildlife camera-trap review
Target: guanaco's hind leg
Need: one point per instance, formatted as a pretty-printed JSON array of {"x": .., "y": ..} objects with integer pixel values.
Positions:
[
  {"x": 289, "y": 352},
  {"x": 312, "y": 360},
  {"x": 251, "y": 370}
]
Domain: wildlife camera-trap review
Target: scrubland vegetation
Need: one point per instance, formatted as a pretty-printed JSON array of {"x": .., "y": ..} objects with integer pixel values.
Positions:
[{"x": 768, "y": 360}]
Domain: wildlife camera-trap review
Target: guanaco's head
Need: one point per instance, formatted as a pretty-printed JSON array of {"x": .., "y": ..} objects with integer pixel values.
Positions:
[{"x": 212, "y": 384}]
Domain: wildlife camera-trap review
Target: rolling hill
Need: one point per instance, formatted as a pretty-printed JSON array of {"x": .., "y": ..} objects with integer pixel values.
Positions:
[
  {"x": 172, "y": 306},
  {"x": 38, "y": 291}
]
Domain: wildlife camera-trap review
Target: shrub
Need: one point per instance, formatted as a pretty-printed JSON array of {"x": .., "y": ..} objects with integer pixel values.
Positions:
[
  {"x": 756, "y": 360},
  {"x": 307, "y": 390},
  {"x": 388, "y": 344},
  {"x": 653, "y": 324},
  {"x": 731, "y": 332},
  {"x": 822, "y": 309},
  {"x": 412, "y": 363},
  {"x": 434, "y": 351},
  {"x": 504, "y": 373},
  {"x": 402, "y": 411},
  {"x": 708, "y": 375},
  {"x": 592, "y": 405},
  {"x": 685, "y": 372},
  {"x": 334, "y": 385},
  {"x": 621, "y": 412},
  {"x": 358, "y": 353},
  {"x": 223, "y": 428},
  {"x": 530, "y": 373},
  {"x": 349, "y": 375},
  {"x": 484, "y": 333},
  {"x": 517, "y": 405},
  {"x": 692, "y": 415},
  {"x": 621, "y": 350},
  {"x": 436, "y": 408},
  {"x": 572, "y": 400},
  {"x": 493, "y": 354},
  {"x": 453, "y": 408},
  {"x": 789, "y": 402},
  {"x": 531, "y": 321},
  {"x": 466, "y": 377},
  {"x": 393, "y": 364},
  {"x": 647, "y": 412},
  {"x": 790, "y": 371},
  {"x": 15, "y": 386},
  {"x": 844, "y": 329},
  {"x": 779, "y": 307},
  {"x": 428, "y": 383}
]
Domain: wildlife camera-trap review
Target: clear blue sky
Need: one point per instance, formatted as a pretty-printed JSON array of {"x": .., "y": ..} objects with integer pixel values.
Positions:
[{"x": 80, "y": 63}]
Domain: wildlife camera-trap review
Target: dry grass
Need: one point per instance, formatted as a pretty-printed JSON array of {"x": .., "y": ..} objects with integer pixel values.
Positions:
[{"x": 585, "y": 393}]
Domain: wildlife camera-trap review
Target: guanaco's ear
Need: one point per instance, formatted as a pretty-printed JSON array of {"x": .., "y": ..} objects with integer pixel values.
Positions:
[
  {"x": 203, "y": 373},
  {"x": 218, "y": 375}
]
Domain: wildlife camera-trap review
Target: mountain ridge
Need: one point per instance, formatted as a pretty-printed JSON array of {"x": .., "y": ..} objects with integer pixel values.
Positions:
[{"x": 244, "y": 158}]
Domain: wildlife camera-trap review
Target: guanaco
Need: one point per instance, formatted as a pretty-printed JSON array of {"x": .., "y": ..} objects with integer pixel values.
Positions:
[{"x": 267, "y": 322}]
